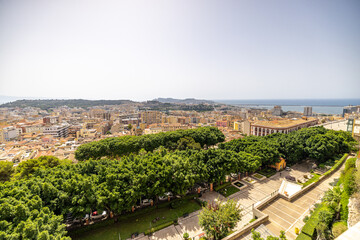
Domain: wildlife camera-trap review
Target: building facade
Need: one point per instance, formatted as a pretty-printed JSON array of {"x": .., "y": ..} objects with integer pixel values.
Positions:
[
  {"x": 263, "y": 128},
  {"x": 307, "y": 111},
  {"x": 57, "y": 130}
]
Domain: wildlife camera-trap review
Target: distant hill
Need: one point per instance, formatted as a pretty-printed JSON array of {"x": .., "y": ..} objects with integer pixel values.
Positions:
[
  {"x": 6, "y": 99},
  {"x": 184, "y": 101},
  {"x": 46, "y": 104}
]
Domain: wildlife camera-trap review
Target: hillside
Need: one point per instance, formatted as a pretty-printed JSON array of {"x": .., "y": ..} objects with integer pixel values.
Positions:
[{"x": 53, "y": 103}]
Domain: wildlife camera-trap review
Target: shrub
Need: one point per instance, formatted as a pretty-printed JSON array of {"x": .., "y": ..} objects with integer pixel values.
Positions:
[
  {"x": 186, "y": 236},
  {"x": 310, "y": 226},
  {"x": 349, "y": 181},
  {"x": 350, "y": 163},
  {"x": 338, "y": 228}
]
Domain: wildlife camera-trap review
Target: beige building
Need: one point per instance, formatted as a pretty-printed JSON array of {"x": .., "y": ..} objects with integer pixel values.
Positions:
[
  {"x": 263, "y": 128},
  {"x": 242, "y": 126},
  {"x": 150, "y": 117},
  {"x": 86, "y": 133}
]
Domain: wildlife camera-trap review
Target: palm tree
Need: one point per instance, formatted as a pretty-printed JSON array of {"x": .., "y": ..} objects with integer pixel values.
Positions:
[{"x": 333, "y": 199}]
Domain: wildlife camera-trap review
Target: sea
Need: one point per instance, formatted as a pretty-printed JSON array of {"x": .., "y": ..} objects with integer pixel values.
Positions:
[{"x": 321, "y": 106}]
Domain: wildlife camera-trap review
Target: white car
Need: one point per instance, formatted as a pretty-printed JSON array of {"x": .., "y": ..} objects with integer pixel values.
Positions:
[
  {"x": 165, "y": 197},
  {"x": 287, "y": 169},
  {"x": 146, "y": 202}
]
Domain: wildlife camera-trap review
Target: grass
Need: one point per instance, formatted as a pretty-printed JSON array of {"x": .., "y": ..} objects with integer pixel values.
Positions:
[
  {"x": 239, "y": 184},
  {"x": 267, "y": 172},
  {"x": 258, "y": 176},
  {"x": 140, "y": 221},
  {"x": 229, "y": 190},
  {"x": 315, "y": 178},
  {"x": 218, "y": 187}
]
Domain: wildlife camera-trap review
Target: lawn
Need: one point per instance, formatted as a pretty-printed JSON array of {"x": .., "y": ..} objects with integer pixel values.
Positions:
[
  {"x": 258, "y": 176},
  {"x": 140, "y": 221},
  {"x": 239, "y": 184},
  {"x": 227, "y": 191},
  {"x": 268, "y": 172},
  {"x": 311, "y": 180}
]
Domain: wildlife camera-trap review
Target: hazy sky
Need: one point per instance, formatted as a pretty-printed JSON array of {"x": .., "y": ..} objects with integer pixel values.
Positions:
[{"x": 204, "y": 49}]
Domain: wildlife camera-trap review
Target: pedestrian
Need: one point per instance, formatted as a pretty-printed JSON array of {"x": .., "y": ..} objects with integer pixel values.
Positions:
[{"x": 280, "y": 174}]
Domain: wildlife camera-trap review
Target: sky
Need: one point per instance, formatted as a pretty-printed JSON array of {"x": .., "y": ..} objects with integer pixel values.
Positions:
[{"x": 141, "y": 50}]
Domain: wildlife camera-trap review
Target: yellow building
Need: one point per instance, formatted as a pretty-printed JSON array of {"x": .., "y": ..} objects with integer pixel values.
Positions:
[{"x": 279, "y": 165}]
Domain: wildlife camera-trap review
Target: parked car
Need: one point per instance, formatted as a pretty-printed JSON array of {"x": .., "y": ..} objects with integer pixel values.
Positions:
[
  {"x": 291, "y": 178},
  {"x": 98, "y": 216},
  {"x": 166, "y": 195},
  {"x": 146, "y": 202},
  {"x": 287, "y": 169}
]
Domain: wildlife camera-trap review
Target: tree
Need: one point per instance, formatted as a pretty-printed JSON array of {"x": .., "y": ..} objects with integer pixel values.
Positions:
[
  {"x": 325, "y": 218},
  {"x": 188, "y": 143},
  {"x": 218, "y": 220},
  {"x": 333, "y": 199},
  {"x": 6, "y": 170},
  {"x": 257, "y": 236}
]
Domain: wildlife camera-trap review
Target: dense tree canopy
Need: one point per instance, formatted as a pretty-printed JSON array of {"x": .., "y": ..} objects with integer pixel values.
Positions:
[
  {"x": 118, "y": 146},
  {"x": 316, "y": 143}
]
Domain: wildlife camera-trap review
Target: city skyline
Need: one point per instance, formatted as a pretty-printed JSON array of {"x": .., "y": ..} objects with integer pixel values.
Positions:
[{"x": 142, "y": 50}]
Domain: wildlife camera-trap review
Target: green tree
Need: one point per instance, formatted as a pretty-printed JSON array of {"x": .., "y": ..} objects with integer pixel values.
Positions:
[
  {"x": 333, "y": 199},
  {"x": 6, "y": 170},
  {"x": 218, "y": 220}
]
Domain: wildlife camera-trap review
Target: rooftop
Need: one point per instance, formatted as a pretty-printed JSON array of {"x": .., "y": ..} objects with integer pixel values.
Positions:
[{"x": 283, "y": 123}]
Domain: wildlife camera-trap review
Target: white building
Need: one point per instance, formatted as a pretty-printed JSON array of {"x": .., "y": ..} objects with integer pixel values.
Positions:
[
  {"x": 57, "y": 130},
  {"x": 10, "y": 133}
]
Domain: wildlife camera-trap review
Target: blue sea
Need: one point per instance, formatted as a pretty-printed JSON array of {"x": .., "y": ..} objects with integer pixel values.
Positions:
[{"x": 325, "y": 106}]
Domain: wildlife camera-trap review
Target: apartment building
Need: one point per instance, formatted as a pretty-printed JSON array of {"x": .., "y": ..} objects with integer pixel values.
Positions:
[
  {"x": 57, "y": 130},
  {"x": 242, "y": 126},
  {"x": 307, "y": 111},
  {"x": 33, "y": 128},
  {"x": 150, "y": 117},
  {"x": 51, "y": 120},
  {"x": 9, "y": 133}
]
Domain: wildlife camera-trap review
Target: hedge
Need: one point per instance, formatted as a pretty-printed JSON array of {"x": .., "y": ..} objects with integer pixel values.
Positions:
[
  {"x": 309, "y": 228},
  {"x": 303, "y": 236},
  {"x": 337, "y": 164}
]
